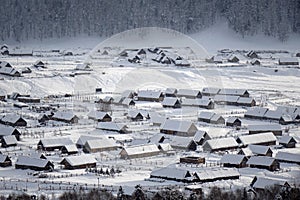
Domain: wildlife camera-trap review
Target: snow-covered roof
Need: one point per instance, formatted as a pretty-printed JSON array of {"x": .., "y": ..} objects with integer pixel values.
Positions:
[
  {"x": 29, "y": 161},
  {"x": 285, "y": 139},
  {"x": 171, "y": 172},
  {"x": 83, "y": 138},
  {"x": 232, "y": 158},
  {"x": 261, "y": 160},
  {"x": 245, "y": 100},
  {"x": 273, "y": 114},
  {"x": 287, "y": 118},
  {"x": 8, "y": 71},
  {"x": 149, "y": 94},
  {"x": 206, "y": 115},
  {"x": 256, "y": 111},
  {"x": 4, "y": 64},
  {"x": 232, "y": 119},
  {"x": 80, "y": 160},
  {"x": 71, "y": 148},
  {"x": 210, "y": 174},
  {"x": 101, "y": 143},
  {"x": 264, "y": 127},
  {"x": 169, "y": 101},
  {"x": 196, "y": 102},
  {"x": 188, "y": 92},
  {"x": 166, "y": 147},
  {"x": 10, "y": 139},
  {"x": 170, "y": 91},
  {"x": 97, "y": 114},
  {"x": 216, "y": 117},
  {"x": 263, "y": 182},
  {"x": 181, "y": 142},
  {"x": 10, "y": 117},
  {"x": 127, "y": 101},
  {"x": 288, "y": 60},
  {"x": 2, "y": 158},
  {"x": 237, "y": 92},
  {"x": 157, "y": 118},
  {"x": 226, "y": 98},
  {"x": 210, "y": 90},
  {"x": 257, "y": 138},
  {"x": 56, "y": 142},
  {"x": 177, "y": 125},
  {"x": 134, "y": 113},
  {"x": 199, "y": 135},
  {"x": 127, "y": 93},
  {"x": 6, "y": 130},
  {"x": 141, "y": 149},
  {"x": 259, "y": 149},
  {"x": 286, "y": 156},
  {"x": 110, "y": 126},
  {"x": 64, "y": 115},
  {"x": 221, "y": 143}
]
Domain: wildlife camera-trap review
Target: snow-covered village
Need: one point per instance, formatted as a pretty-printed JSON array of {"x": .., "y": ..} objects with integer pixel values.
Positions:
[{"x": 149, "y": 111}]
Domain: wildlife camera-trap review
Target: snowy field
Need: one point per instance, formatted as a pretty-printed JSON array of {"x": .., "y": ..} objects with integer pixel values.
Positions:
[{"x": 270, "y": 84}]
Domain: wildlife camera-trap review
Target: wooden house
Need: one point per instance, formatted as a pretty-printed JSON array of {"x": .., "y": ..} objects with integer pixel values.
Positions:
[
  {"x": 178, "y": 127},
  {"x": 192, "y": 160},
  {"x": 288, "y": 157},
  {"x": 128, "y": 102},
  {"x": 9, "y": 71},
  {"x": 99, "y": 145},
  {"x": 8, "y": 141},
  {"x": 139, "y": 151},
  {"x": 263, "y": 183},
  {"x": 226, "y": 99},
  {"x": 210, "y": 91},
  {"x": 256, "y": 150},
  {"x": 234, "y": 92},
  {"x": 37, "y": 164},
  {"x": 171, "y": 102},
  {"x": 29, "y": 100},
  {"x": 12, "y": 119},
  {"x": 50, "y": 144},
  {"x": 263, "y": 162},
  {"x": 112, "y": 126},
  {"x": 286, "y": 119},
  {"x": 212, "y": 174},
  {"x": 220, "y": 144},
  {"x": 233, "y": 59},
  {"x": 199, "y": 137},
  {"x": 234, "y": 160},
  {"x": 39, "y": 64},
  {"x": 5, "y": 161},
  {"x": 256, "y": 112},
  {"x": 65, "y": 116},
  {"x": 288, "y": 61},
  {"x": 233, "y": 121},
  {"x": 79, "y": 162},
  {"x": 246, "y": 101},
  {"x": 171, "y": 92},
  {"x": 287, "y": 141},
  {"x": 99, "y": 116},
  {"x": 188, "y": 93},
  {"x": 183, "y": 143},
  {"x": 252, "y": 54},
  {"x": 264, "y": 128},
  {"x": 201, "y": 103},
  {"x": 135, "y": 115},
  {"x": 69, "y": 149},
  {"x": 210, "y": 117},
  {"x": 255, "y": 62},
  {"x": 150, "y": 95},
  {"x": 266, "y": 139},
  {"x": 173, "y": 174},
  {"x": 9, "y": 130}
]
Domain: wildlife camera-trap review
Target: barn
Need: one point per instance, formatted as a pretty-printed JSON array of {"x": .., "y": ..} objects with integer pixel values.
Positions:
[
  {"x": 263, "y": 162},
  {"x": 234, "y": 160},
  {"x": 37, "y": 164},
  {"x": 12, "y": 119},
  {"x": 79, "y": 162}
]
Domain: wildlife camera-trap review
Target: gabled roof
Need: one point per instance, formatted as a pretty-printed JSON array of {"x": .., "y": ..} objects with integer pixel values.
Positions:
[
  {"x": 273, "y": 114},
  {"x": 245, "y": 100},
  {"x": 261, "y": 160},
  {"x": 256, "y": 111},
  {"x": 97, "y": 114},
  {"x": 188, "y": 92},
  {"x": 134, "y": 113},
  {"x": 211, "y": 173},
  {"x": 286, "y": 156},
  {"x": 263, "y": 182},
  {"x": 196, "y": 102},
  {"x": 83, "y": 138},
  {"x": 29, "y": 161},
  {"x": 285, "y": 139},
  {"x": 10, "y": 117},
  {"x": 199, "y": 135},
  {"x": 110, "y": 126},
  {"x": 149, "y": 94},
  {"x": 170, "y": 101},
  {"x": 232, "y": 159},
  {"x": 257, "y": 138},
  {"x": 206, "y": 115},
  {"x": 177, "y": 125},
  {"x": 264, "y": 127},
  {"x": 141, "y": 149},
  {"x": 65, "y": 115},
  {"x": 157, "y": 118},
  {"x": 71, "y": 148},
  {"x": 291, "y": 59},
  {"x": 232, "y": 119},
  {"x": 10, "y": 139},
  {"x": 226, "y": 98},
  {"x": 54, "y": 142},
  {"x": 165, "y": 147},
  {"x": 80, "y": 160},
  {"x": 3, "y": 158},
  {"x": 182, "y": 142},
  {"x": 101, "y": 143},
  {"x": 221, "y": 143},
  {"x": 171, "y": 172},
  {"x": 127, "y": 101},
  {"x": 237, "y": 92},
  {"x": 210, "y": 90},
  {"x": 259, "y": 149},
  {"x": 6, "y": 130},
  {"x": 171, "y": 91}
]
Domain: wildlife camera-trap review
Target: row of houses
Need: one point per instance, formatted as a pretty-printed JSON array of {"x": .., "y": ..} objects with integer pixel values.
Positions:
[{"x": 283, "y": 114}]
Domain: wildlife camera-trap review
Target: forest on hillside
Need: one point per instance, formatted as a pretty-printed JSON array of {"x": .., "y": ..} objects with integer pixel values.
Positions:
[{"x": 41, "y": 19}]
